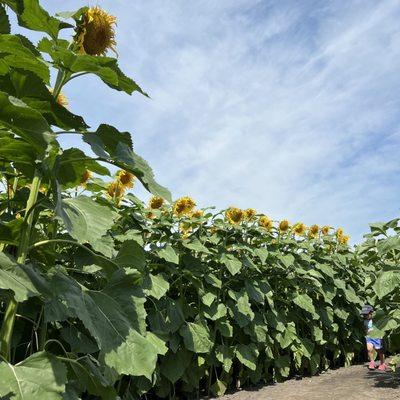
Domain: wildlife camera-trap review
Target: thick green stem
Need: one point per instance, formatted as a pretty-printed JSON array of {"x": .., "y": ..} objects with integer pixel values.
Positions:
[
  {"x": 23, "y": 248},
  {"x": 26, "y": 234}
]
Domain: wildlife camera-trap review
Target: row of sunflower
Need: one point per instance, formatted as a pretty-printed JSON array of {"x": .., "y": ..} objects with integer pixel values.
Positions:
[{"x": 185, "y": 206}]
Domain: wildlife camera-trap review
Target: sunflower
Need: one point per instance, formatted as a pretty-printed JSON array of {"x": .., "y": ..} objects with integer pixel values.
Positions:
[
  {"x": 234, "y": 215},
  {"x": 299, "y": 229},
  {"x": 284, "y": 225},
  {"x": 183, "y": 206},
  {"x": 95, "y": 34},
  {"x": 265, "y": 222},
  {"x": 197, "y": 214},
  {"x": 185, "y": 229},
  {"x": 313, "y": 231},
  {"x": 249, "y": 214},
  {"x": 125, "y": 178},
  {"x": 85, "y": 177},
  {"x": 61, "y": 98},
  {"x": 343, "y": 239},
  {"x": 115, "y": 191},
  {"x": 325, "y": 230},
  {"x": 339, "y": 233},
  {"x": 156, "y": 202}
]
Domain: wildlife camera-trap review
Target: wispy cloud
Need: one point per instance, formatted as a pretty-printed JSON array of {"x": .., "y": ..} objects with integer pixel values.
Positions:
[{"x": 289, "y": 107}]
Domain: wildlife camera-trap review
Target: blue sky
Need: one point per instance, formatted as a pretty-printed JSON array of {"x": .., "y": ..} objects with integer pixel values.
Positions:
[{"x": 285, "y": 106}]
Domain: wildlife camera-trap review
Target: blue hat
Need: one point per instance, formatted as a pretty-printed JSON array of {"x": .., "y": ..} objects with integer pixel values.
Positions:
[{"x": 367, "y": 309}]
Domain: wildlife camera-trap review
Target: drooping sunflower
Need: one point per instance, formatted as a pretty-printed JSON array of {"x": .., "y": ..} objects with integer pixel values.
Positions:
[
  {"x": 234, "y": 215},
  {"x": 284, "y": 225},
  {"x": 265, "y": 223},
  {"x": 299, "y": 229},
  {"x": 125, "y": 178},
  {"x": 313, "y": 231},
  {"x": 85, "y": 177},
  {"x": 183, "y": 206},
  {"x": 249, "y": 214},
  {"x": 95, "y": 34},
  {"x": 325, "y": 230},
  {"x": 156, "y": 202}
]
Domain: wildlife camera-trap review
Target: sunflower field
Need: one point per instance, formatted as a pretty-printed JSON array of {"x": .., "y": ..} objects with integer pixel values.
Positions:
[{"x": 103, "y": 296}]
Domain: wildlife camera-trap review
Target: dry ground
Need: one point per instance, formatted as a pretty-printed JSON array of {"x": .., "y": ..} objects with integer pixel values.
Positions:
[{"x": 352, "y": 383}]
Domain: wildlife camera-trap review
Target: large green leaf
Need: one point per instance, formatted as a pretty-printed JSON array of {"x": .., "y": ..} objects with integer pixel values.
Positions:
[
  {"x": 10, "y": 232},
  {"x": 168, "y": 254},
  {"x": 196, "y": 337},
  {"x": 173, "y": 365},
  {"x": 241, "y": 308},
  {"x": 105, "y": 68},
  {"x": 84, "y": 219},
  {"x": 247, "y": 354},
  {"x": 31, "y": 89},
  {"x": 386, "y": 245},
  {"x": 114, "y": 146},
  {"x": 225, "y": 355},
  {"x": 25, "y": 122},
  {"x": 232, "y": 263},
  {"x": 23, "y": 280},
  {"x": 304, "y": 301},
  {"x": 16, "y": 55},
  {"x": 386, "y": 283},
  {"x": 106, "y": 315},
  {"x": 131, "y": 254},
  {"x": 34, "y": 17},
  {"x": 155, "y": 286},
  {"x": 5, "y": 26},
  {"x": 73, "y": 164},
  {"x": 41, "y": 376}
]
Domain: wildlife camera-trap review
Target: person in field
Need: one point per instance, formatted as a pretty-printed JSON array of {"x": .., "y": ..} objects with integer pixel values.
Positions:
[{"x": 372, "y": 343}]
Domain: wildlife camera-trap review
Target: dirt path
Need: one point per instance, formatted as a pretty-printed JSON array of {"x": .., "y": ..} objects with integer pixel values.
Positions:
[{"x": 352, "y": 383}]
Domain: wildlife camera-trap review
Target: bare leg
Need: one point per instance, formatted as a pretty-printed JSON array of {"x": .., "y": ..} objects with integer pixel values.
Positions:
[
  {"x": 370, "y": 349},
  {"x": 381, "y": 356}
]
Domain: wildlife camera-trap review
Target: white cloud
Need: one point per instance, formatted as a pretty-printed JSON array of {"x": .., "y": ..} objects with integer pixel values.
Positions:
[{"x": 289, "y": 107}]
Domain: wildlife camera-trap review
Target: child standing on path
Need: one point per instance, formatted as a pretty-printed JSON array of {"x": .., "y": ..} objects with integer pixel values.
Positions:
[{"x": 372, "y": 343}]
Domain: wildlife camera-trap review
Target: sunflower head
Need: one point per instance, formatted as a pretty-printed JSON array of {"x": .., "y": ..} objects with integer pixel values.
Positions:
[
  {"x": 249, "y": 214},
  {"x": 156, "y": 202},
  {"x": 325, "y": 230},
  {"x": 61, "y": 98},
  {"x": 125, "y": 178},
  {"x": 197, "y": 214},
  {"x": 284, "y": 225},
  {"x": 343, "y": 239},
  {"x": 185, "y": 229},
  {"x": 265, "y": 222},
  {"x": 85, "y": 177},
  {"x": 95, "y": 34},
  {"x": 313, "y": 231},
  {"x": 234, "y": 215},
  {"x": 339, "y": 233},
  {"x": 299, "y": 229},
  {"x": 183, "y": 206},
  {"x": 116, "y": 192}
]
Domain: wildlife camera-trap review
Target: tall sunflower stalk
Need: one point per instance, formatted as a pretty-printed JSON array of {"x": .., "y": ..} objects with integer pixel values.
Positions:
[{"x": 95, "y": 35}]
